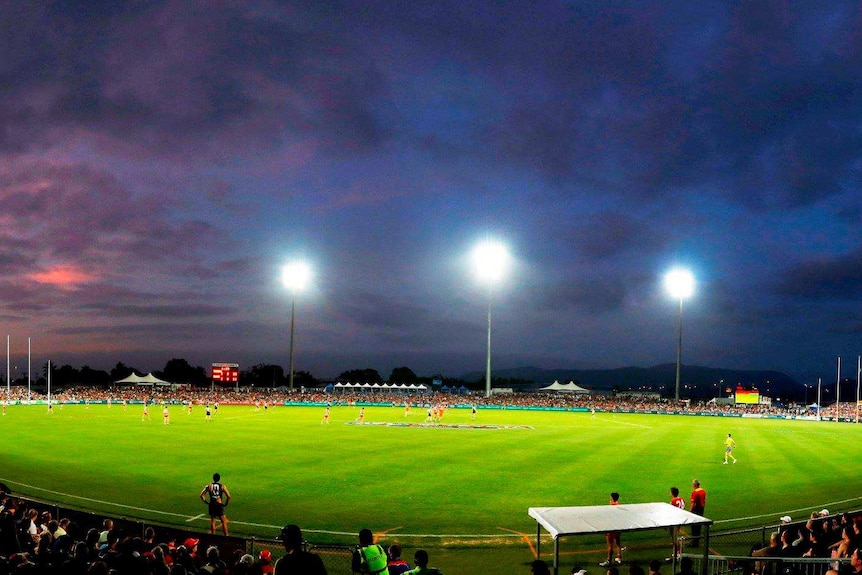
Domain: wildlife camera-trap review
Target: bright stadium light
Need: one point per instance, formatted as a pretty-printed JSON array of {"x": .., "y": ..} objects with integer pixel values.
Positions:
[
  {"x": 491, "y": 260},
  {"x": 295, "y": 277},
  {"x": 680, "y": 284}
]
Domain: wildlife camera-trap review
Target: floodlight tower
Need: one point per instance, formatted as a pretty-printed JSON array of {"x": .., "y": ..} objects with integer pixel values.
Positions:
[
  {"x": 491, "y": 260},
  {"x": 680, "y": 284},
  {"x": 295, "y": 276}
]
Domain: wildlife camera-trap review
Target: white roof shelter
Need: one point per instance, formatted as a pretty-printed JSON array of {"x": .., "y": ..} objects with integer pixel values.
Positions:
[
  {"x": 148, "y": 379},
  {"x": 570, "y": 387},
  {"x": 565, "y": 521},
  {"x": 378, "y": 386}
]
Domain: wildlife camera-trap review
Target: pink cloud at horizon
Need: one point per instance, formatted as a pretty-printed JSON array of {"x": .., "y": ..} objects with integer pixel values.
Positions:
[{"x": 62, "y": 276}]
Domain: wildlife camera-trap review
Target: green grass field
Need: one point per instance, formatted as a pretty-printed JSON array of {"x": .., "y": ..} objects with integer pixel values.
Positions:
[{"x": 462, "y": 492}]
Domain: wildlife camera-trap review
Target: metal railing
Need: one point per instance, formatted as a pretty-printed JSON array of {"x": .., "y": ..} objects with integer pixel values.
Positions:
[
  {"x": 730, "y": 553},
  {"x": 747, "y": 565}
]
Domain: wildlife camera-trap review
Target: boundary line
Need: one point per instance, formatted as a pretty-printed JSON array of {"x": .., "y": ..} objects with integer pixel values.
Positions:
[
  {"x": 829, "y": 504},
  {"x": 510, "y": 534}
]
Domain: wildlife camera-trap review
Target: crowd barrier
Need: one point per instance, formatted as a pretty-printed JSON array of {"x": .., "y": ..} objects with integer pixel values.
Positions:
[{"x": 730, "y": 553}]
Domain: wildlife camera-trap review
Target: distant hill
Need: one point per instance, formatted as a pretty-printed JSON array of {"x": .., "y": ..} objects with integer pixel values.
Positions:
[{"x": 702, "y": 381}]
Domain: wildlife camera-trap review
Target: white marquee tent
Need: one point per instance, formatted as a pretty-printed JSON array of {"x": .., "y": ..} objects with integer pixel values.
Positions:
[
  {"x": 384, "y": 387},
  {"x": 149, "y": 379},
  {"x": 570, "y": 387}
]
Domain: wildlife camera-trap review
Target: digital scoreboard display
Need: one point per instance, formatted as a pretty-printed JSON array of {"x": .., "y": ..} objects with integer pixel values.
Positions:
[
  {"x": 226, "y": 372},
  {"x": 750, "y": 396}
]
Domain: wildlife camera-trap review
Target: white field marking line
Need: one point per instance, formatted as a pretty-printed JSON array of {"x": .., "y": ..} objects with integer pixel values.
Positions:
[
  {"x": 830, "y": 504},
  {"x": 250, "y": 524},
  {"x": 198, "y": 516},
  {"x": 97, "y": 500},
  {"x": 432, "y": 535},
  {"x": 615, "y": 422}
]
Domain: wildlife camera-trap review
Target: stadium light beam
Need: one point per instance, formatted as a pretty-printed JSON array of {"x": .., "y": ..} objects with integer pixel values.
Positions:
[
  {"x": 680, "y": 284},
  {"x": 491, "y": 260},
  {"x": 295, "y": 277}
]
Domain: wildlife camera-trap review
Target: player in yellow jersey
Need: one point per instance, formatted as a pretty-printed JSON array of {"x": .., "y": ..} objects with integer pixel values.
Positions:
[{"x": 729, "y": 446}]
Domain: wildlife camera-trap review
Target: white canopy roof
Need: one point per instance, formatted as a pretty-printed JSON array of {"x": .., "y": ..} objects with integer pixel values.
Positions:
[
  {"x": 148, "y": 379},
  {"x": 349, "y": 385},
  {"x": 560, "y": 521},
  {"x": 133, "y": 378},
  {"x": 570, "y": 387}
]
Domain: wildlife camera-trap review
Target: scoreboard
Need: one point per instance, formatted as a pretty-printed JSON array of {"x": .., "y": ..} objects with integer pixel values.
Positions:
[
  {"x": 226, "y": 372},
  {"x": 743, "y": 395}
]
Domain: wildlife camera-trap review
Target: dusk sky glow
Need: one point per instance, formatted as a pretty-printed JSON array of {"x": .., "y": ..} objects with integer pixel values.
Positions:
[{"x": 161, "y": 162}]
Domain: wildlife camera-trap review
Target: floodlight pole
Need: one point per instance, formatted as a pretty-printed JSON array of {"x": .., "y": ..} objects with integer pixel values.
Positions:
[
  {"x": 679, "y": 352},
  {"x": 838, "y": 390},
  {"x": 679, "y": 283},
  {"x": 292, "y": 322},
  {"x": 294, "y": 277},
  {"x": 858, "y": 381},
  {"x": 490, "y": 259},
  {"x": 488, "y": 358},
  {"x": 818, "y": 399}
]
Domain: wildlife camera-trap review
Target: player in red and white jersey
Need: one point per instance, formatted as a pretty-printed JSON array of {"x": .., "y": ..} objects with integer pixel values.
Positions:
[
  {"x": 613, "y": 539},
  {"x": 678, "y": 502}
]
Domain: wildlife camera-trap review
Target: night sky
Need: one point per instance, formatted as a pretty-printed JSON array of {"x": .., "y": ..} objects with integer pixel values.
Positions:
[{"x": 161, "y": 161}]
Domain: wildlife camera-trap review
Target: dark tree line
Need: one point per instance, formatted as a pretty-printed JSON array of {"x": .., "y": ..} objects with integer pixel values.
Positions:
[
  {"x": 175, "y": 370},
  {"x": 262, "y": 375}
]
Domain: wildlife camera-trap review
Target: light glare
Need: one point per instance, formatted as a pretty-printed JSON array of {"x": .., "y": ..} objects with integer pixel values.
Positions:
[
  {"x": 679, "y": 283},
  {"x": 491, "y": 259},
  {"x": 295, "y": 275}
]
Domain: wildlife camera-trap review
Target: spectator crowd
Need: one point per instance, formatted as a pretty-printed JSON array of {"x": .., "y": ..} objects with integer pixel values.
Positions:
[
  {"x": 33, "y": 541},
  {"x": 538, "y": 400}
]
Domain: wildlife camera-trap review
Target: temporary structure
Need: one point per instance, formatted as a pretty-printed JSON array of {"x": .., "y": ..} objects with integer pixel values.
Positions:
[
  {"x": 570, "y": 387},
  {"x": 148, "y": 379},
  {"x": 566, "y": 521},
  {"x": 379, "y": 387}
]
